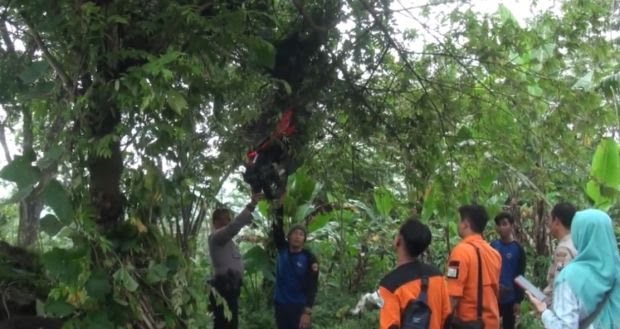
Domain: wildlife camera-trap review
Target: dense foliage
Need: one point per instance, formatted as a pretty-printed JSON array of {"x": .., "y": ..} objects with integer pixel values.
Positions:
[{"x": 124, "y": 124}]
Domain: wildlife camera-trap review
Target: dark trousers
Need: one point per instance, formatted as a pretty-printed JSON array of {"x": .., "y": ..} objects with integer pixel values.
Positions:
[
  {"x": 506, "y": 311},
  {"x": 229, "y": 289},
  {"x": 288, "y": 316}
]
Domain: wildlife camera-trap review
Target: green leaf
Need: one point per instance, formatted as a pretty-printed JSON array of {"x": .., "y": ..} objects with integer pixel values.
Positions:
[
  {"x": 261, "y": 52},
  {"x": 21, "y": 172},
  {"x": 585, "y": 83},
  {"x": 157, "y": 273},
  {"x": 429, "y": 206},
  {"x": 124, "y": 278},
  {"x": 505, "y": 14},
  {"x": 606, "y": 164},
  {"x": 303, "y": 211},
  {"x": 50, "y": 225},
  {"x": 235, "y": 22},
  {"x": 58, "y": 308},
  {"x": 33, "y": 72},
  {"x": 177, "y": 102},
  {"x": 384, "y": 201},
  {"x": 57, "y": 198},
  {"x": 486, "y": 180},
  {"x": 320, "y": 221},
  {"x": 65, "y": 265},
  {"x": 610, "y": 85},
  {"x": 173, "y": 262},
  {"x": 364, "y": 207},
  {"x": 258, "y": 260},
  {"x": 98, "y": 285},
  {"x": 50, "y": 157},
  {"x": 535, "y": 90},
  {"x": 98, "y": 320}
]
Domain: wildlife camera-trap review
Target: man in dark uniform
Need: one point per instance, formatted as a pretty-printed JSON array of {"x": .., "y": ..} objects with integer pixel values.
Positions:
[{"x": 297, "y": 276}]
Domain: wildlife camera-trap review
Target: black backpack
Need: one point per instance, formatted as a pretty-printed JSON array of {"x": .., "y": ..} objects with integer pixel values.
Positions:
[{"x": 417, "y": 314}]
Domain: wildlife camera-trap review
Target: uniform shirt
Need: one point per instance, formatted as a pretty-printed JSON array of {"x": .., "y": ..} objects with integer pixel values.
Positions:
[
  {"x": 403, "y": 285},
  {"x": 567, "y": 310},
  {"x": 462, "y": 277},
  {"x": 563, "y": 254},
  {"x": 225, "y": 255},
  {"x": 513, "y": 265},
  {"x": 297, "y": 273}
]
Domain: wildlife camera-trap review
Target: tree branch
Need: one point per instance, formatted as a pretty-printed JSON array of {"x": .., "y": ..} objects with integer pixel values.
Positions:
[
  {"x": 64, "y": 77},
  {"x": 6, "y": 38},
  {"x": 5, "y": 146}
]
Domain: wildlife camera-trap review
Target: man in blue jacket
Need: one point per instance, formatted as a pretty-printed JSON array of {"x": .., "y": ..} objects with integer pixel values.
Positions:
[{"x": 297, "y": 274}]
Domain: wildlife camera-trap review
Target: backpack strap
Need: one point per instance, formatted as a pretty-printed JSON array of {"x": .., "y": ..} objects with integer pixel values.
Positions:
[
  {"x": 479, "y": 306},
  {"x": 423, "y": 289},
  {"x": 585, "y": 323}
]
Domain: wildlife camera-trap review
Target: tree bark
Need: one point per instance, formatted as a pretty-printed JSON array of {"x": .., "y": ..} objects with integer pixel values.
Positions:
[{"x": 29, "y": 208}]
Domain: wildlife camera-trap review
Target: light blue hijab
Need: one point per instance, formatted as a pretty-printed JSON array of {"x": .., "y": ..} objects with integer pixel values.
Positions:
[{"x": 596, "y": 269}]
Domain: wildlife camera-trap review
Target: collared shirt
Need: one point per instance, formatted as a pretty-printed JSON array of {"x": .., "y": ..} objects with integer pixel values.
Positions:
[
  {"x": 225, "y": 255},
  {"x": 462, "y": 276},
  {"x": 563, "y": 254},
  {"x": 567, "y": 310}
]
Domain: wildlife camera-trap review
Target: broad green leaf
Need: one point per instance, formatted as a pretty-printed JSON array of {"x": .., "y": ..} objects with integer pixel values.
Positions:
[
  {"x": 57, "y": 198},
  {"x": 21, "y": 172},
  {"x": 610, "y": 85},
  {"x": 367, "y": 209},
  {"x": 264, "y": 208},
  {"x": 486, "y": 180},
  {"x": 125, "y": 279},
  {"x": 50, "y": 225},
  {"x": 58, "y": 308},
  {"x": 320, "y": 221},
  {"x": 593, "y": 190},
  {"x": 535, "y": 90},
  {"x": 157, "y": 273},
  {"x": 303, "y": 211},
  {"x": 261, "y": 52},
  {"x": 176, "y": 101},
  {"x": 50, "y": 157},
  {"x": 257, "y": 260},
  {"x": 98, "y": 285},
  {"x": 585, "y": 82},
  {"x": 62, "y": 264},
  {"x": 34, "y": 71},
  {"x": 606, "y": 164},
  {"x": 384, "y": 201}
]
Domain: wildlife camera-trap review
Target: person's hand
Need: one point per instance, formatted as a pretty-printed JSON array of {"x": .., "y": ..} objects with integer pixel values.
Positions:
[
  {"x": 304, "y": 322},
  {"x": 516, "y": 309},
  {"x": 539, "y": 305}
]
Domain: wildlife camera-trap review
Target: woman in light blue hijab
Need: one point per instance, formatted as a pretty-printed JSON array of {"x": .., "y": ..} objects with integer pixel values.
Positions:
[{"x": 587, "y": 290}]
